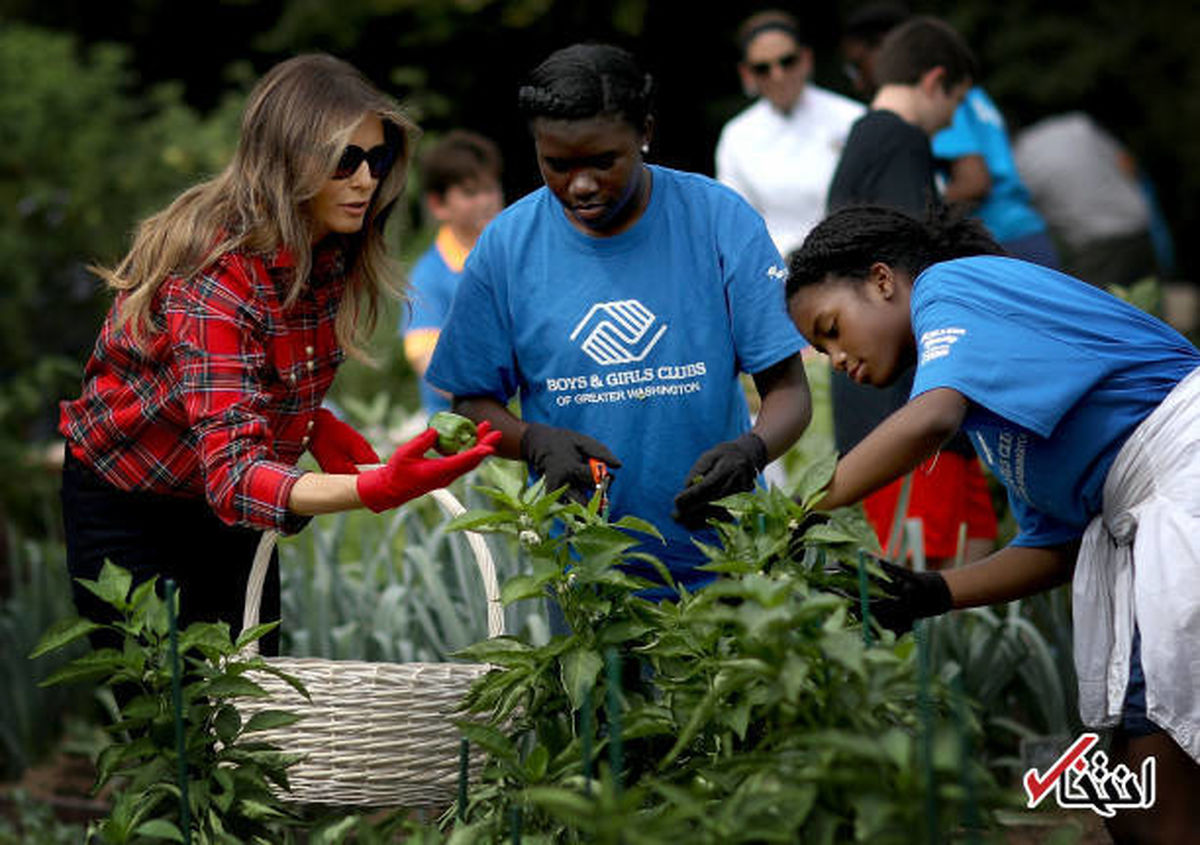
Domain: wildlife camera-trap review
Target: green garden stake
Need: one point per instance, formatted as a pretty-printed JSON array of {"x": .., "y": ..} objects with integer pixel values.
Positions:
[
  {"x": 514, "y": 824},
  {"x": 585, "y": 738},
  {"x": 864, "y": 599},
  {"x": 925, "y": 713},
  {"x": 185, "y": 822},
  {"x": 612, "y": 663},
  {"x": 464, "y": 762},
  {"x": 971, "y": 819}
]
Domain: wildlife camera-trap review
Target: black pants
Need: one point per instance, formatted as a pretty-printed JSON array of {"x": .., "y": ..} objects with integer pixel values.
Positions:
[{"x": 172, "y": 537}]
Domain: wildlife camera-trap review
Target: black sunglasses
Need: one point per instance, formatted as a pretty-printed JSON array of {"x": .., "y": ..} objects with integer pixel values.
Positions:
[
  {"x": 379, "y": 161},
  {"x": 785, "y": 63}
]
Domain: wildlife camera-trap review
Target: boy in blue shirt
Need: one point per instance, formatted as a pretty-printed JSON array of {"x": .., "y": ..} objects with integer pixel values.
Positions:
[
  {"x": 1088, "y": 411},
  {"x": 460, "y": 177}
]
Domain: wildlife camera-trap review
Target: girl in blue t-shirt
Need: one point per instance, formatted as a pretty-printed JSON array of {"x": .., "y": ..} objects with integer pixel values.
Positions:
[{"x": 1088, "y": 411}]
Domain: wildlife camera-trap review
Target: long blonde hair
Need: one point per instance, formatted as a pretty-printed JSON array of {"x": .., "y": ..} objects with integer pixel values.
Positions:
[{"x": 297, "y": 121}]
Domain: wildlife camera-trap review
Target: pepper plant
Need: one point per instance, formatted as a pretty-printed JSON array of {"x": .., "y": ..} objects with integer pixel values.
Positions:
[
  {"x": 756, "y": 709},
  {"x": 232, "y": 783}
]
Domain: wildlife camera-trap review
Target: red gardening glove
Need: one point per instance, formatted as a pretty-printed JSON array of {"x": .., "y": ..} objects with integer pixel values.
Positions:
[
  {"x": 409, "y": 473},
  {"x": 338, "y": 447}
]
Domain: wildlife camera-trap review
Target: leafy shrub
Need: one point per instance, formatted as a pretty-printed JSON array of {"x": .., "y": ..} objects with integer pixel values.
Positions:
[
  {"x": 755, "y": 710},
  {"x": 228, "y": 777}
]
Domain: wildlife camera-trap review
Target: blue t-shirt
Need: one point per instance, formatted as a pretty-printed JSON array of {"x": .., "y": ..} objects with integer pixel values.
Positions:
[
  {"x": 432, "y": 285},
  {"x": 1058, "y": 373},
  {"x": 978, "y": 129},
  {"x": 635, "y": 339}
]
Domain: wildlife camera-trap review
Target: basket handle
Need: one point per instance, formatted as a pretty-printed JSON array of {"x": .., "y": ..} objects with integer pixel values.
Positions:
[{"x": 449, "y": 504}]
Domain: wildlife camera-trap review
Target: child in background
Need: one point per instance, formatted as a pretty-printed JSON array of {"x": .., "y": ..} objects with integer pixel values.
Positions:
[
  {"x": 974, "y": 149},
  {"x": 1087, "y": 409},
  {"x": 924, "y": 70},
  {"x": 460, "y": 177}
]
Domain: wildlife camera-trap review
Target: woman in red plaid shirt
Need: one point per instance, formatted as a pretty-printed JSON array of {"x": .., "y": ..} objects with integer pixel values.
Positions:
[{"x": 233, "y": 310}]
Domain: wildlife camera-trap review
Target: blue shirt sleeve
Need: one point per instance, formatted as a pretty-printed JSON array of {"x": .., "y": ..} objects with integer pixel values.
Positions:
[
  {"x": 763, "y": 332},
  {"x": 961, "y": 137},
  {"x": 474, "y": 355},
  {"x": 994, "y": 356}
]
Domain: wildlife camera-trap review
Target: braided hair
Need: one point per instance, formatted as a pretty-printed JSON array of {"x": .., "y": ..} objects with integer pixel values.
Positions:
[
  {"x": 588, "y": 80},
  {"x": 849, "y": 241}
]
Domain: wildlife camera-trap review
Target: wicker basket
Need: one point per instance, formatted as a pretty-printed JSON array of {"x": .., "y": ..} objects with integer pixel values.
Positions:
[{"x": 374, "y": 734}]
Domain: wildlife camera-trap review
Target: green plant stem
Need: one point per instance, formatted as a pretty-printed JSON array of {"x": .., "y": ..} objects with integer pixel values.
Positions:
[
  {"x": 971, "y": 810},
  {"x": 585, "y": 738},
  {"x": 464, "y": 763},
  {"x": 612, "y": 663},
  {"x": 925, "y": 713},
  {"x": 864, "y": 603},
  {"x": 185, "y": 823},
  {"x": 514, "y": 824}
]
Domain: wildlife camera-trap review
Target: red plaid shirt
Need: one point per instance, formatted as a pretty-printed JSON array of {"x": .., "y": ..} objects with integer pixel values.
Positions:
[{"x": 220, "y": 402}]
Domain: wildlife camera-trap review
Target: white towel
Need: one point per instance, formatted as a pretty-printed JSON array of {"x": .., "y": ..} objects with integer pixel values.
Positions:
[{"x": 1140, "y": 560}]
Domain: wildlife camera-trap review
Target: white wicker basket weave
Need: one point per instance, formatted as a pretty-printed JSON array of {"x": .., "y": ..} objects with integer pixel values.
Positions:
[{"x": 374, "y": 734}]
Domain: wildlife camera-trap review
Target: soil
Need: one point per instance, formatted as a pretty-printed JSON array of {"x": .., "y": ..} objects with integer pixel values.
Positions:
[{"x": 63, "y": 782}]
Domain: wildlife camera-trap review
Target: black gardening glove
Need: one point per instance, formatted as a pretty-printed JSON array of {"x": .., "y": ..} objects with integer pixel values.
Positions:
[
  {"x": 910, "y": 596},
  {"x": 727, "y": 468},
  {"x": 560, "y": 456}
]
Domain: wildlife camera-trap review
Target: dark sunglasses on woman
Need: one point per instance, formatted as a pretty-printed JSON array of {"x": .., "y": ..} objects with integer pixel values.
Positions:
[
  {"x": 785, "y": 63},
  {"x": 379, "y": 161}
]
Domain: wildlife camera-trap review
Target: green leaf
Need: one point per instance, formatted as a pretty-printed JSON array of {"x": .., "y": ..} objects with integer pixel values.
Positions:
[
  {"x": 212, "y": 638},
  {"x": 111, "y": 587},
  {"x": 257, "y": 632},
  {"x": 99, "y": 665},
  {"x": 496, "y": 650},
  {"x": 814, "y": 480},
  {"x": 63, "y": 633},
  {"x": 522, "y": 587},
  {"x": 580, "y": 668},
  {"x": 160, "y": 829},
  {"x": 568, "y": 806},
  {"x": 490, "y": 739},
  {"x": 227, "y": 723},
  {"x": 266, "y": 720},
  {"x": 845, "y": 648},
  {"x": 632, "y": 523},
  {"x": 259, "y": 810},
  {"x": 480, "y": 521},
  {"x": 233, "y": 687},
  {"x": 536, "y": 763}
]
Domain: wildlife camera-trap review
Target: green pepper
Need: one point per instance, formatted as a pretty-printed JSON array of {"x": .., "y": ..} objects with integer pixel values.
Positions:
[{"x": 455, "y": 433}]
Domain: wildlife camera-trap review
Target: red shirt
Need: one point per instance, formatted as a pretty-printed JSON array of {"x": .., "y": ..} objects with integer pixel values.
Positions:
[{"x": 220, "y": 401}]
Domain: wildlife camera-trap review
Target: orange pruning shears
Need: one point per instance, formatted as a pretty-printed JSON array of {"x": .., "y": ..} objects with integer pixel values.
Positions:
[{"x": 602, "y": 479}]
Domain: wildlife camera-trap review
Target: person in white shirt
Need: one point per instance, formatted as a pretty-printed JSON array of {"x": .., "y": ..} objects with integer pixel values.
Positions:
[{"x": 780, "y": 152}]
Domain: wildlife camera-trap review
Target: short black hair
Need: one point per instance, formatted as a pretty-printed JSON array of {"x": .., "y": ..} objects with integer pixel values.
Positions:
[
  {"x": 458, "y": 157},
  {"x": 589, "y": 80},
  {"x": 917, "y": 46},
  {"x": 870, "y": 23}
]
